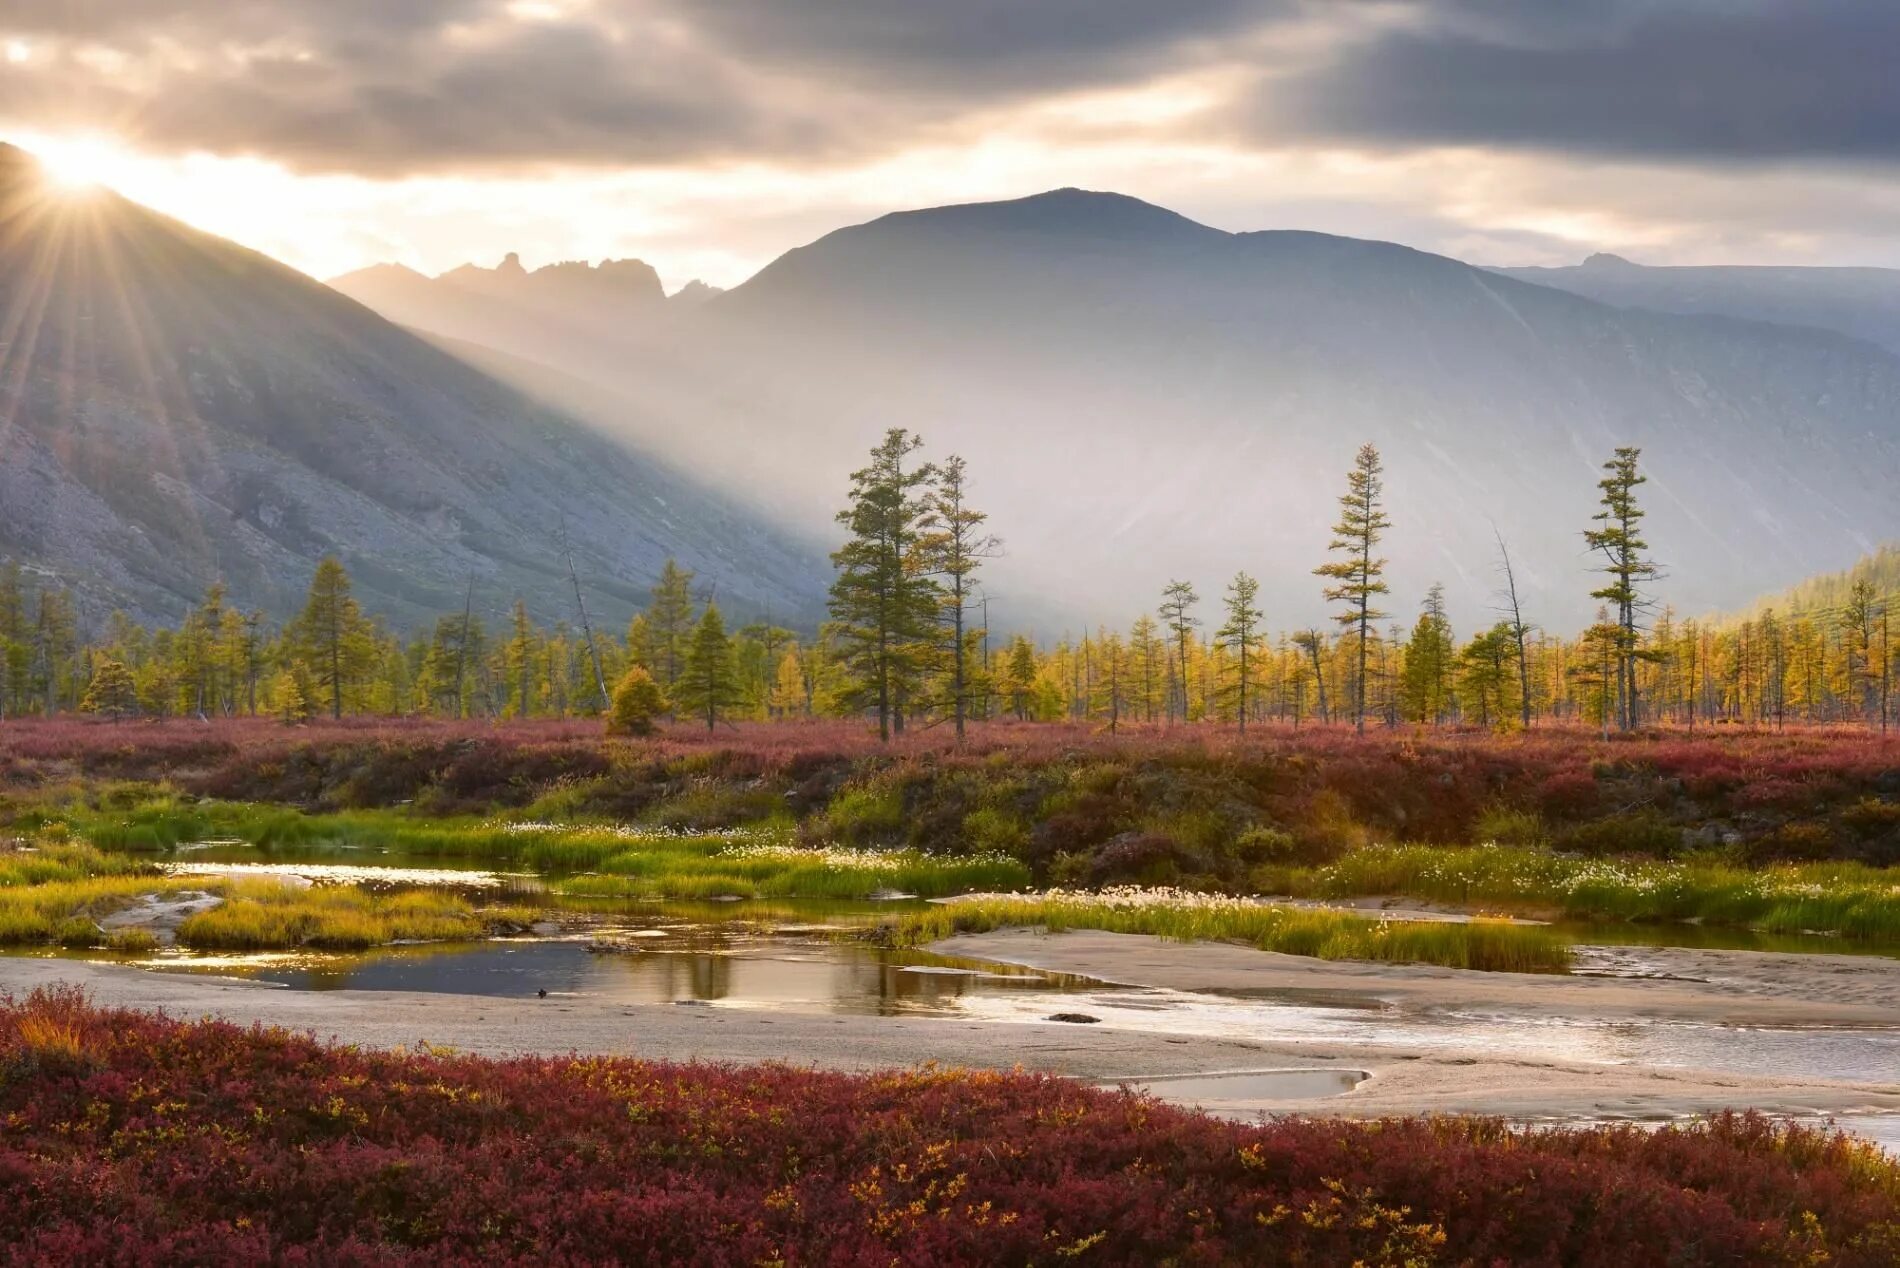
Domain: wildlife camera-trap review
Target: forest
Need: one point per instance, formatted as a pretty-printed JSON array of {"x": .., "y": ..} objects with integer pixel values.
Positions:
[{"x": 910, "y": 644}]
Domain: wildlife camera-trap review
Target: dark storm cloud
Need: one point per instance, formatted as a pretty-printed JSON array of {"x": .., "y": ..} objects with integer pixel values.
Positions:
[
  {"x": 385, "y": 85},
  {"x": 399, "y": 85},
  {"x": 963, "y": 44},
  {"x": 392, "y": 86},
  {"x": 1683, "y": 79}
]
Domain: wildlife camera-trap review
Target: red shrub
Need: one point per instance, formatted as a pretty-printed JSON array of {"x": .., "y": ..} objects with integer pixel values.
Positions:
[{"x": 211, "y": 1144}]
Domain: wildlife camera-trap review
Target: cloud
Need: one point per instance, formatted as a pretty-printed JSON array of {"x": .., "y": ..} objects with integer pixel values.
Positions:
[
  {"x": 1695, "y": 80},
  {"x": 392, "y": 87}
]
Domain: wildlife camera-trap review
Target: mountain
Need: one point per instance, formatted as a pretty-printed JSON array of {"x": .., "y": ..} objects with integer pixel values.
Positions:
[
  {"x": 177, "y": 410},
  {"x": 1825, "y": 595},
  {"x": 1142, "y": 397},
  {"x": 569, "y": 313},
  {"x": 1861, "y": 302}
]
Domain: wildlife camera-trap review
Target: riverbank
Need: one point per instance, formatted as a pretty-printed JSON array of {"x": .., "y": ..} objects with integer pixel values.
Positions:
[{"x": 1403, "y": 1078}]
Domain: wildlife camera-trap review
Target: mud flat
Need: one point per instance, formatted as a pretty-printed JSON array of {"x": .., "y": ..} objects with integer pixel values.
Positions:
[
  {"x": 1447, "y": 1074},
  {"x": 1755, "y": 993}
]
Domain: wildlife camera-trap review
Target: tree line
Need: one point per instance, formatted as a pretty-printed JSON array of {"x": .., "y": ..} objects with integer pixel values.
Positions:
[{"x": 908, "y": 643}]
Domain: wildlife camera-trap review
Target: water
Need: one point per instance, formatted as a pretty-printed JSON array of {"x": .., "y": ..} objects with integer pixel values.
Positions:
[
  {"x": 1216, "y": 1088},
  {"x": 778, "y": 954},
  {"x": 736, "y": 968}
]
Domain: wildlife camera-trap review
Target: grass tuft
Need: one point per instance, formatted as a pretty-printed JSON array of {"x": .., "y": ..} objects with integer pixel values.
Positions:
[{"x": 1490, "y": 945}]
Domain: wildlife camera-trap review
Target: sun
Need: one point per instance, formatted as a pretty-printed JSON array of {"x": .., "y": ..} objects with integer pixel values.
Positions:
[{"x": 76, "y": 164}]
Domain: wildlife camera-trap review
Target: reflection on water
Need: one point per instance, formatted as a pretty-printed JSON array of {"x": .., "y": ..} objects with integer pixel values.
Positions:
[
  {"x": 1882, "y": 1129},
  {"x": 775, "y": 954},
  {"x": 1715, "y": 938},
  {"x": 368, "y": 875},
  {"x": 736, "y": 968}
]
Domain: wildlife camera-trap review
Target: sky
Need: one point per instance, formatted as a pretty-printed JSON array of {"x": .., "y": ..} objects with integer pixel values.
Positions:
[{"x": 708, "y": 136}]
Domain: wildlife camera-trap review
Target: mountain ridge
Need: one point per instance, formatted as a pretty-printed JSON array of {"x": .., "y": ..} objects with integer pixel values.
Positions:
[
  {"x": 1141, "y": 396},
  {"x": 180, "y": 410}
]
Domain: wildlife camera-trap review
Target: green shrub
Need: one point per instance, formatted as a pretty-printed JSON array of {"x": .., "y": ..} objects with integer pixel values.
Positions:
[
  {"x": 1794, "y": 843},
  {"x": 131, "y": 941},
  {"x": 709, "y": 807},
  {"x": 991, "y": 830},
  {"x": 637, "y": 703},
  {"x": 1501, "y": 825},
  {"x": 866, "y": 815},
  {"x": 1203, "y": 831},
  {"x": 1265, "y": 845},
  {"x": 1644, "y": 832},
  {"x": 77, "y": 931},
  {"x": 1872, "y": 817}
]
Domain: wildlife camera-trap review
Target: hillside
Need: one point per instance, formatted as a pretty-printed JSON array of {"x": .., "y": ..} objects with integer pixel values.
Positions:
[
  {"x": 1142, "y": 397},
  {"x": 180, "y": 410},
  {"x": 1861, "y": 302},
  {"x": 1828, "y": 592}
]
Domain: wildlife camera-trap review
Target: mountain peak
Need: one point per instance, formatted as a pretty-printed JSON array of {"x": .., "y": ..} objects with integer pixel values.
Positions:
[
  {"x": 1605, "y": 260},
  {"x": 1071, "y": 212}
]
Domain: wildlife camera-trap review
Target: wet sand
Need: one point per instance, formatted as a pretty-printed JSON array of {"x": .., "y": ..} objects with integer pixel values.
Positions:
[
  {"x": 1758, "y": 988},
  {"x": 1749, "y": 987}
]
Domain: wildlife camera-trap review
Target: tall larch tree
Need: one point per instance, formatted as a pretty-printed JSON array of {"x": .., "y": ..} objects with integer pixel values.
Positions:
[
  {"x": 1618, "y": 539},
  {"x": 332, "y": 637},
  {"x": 669, "y": 624},
  {"x": 1177, "y": 614},
  {"x": 954, "y": 543},
  {"x": 521, "y": 656},
  {"x": 1239, "y": 634},
  {"x": 884, "y": 602},
  {"x": 1359, "y": 572}
]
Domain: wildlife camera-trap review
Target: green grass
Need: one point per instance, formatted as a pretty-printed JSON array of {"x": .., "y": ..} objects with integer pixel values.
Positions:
[
  {"x": 55, "y": 892},
  {"x": 266, "y": 916},
  {"x": 1480, "y": 944},
  {"x": 596, "y": 859},
  {"x": 700, "y": 867},
  {"x": 1846, "y": 899}
]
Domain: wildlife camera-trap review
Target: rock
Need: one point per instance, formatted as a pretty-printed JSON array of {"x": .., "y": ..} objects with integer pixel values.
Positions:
[{"x": 1078, "y": 1019}]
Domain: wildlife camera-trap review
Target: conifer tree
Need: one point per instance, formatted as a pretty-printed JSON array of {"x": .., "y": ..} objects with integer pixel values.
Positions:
[
  {"x": 1620, "y": 542},
  {"x": 637, "y": 701},
  {"x": 521, "y": 655},
  {"x": 789, "y": 694},
  {"x": 1019, "y": 677},
  {"x": 953, "y": 542},
  {"x": 1425, "y": 679},
  {"x": 1239, "y": 634},
  {"x": 332, "y": 637},
  {"x": 883, "y": 602},
  {"x": 112, "y": 693},
  {"x": 1362, "y": 523},
  {"x": 294, "y": 693},
  {"x": 14, "y": 646},
  {"x": 1147, "y": 654},
  {"x": 1109, "y": 695},
  {"x": 1177, "y": 614},
  {"x": 1860, "y": 618},
  {"x": 640, "y": 642},
  {"x": 669, "y": 619},
  {"x": 708, "y": 685}
]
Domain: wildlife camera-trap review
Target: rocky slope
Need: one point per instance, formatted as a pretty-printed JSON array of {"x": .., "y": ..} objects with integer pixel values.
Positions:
[{"x": 176, "y": 410}]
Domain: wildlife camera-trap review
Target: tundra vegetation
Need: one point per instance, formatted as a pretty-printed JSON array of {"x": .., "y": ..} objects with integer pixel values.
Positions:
[{"x": 209, "y": 1142}]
